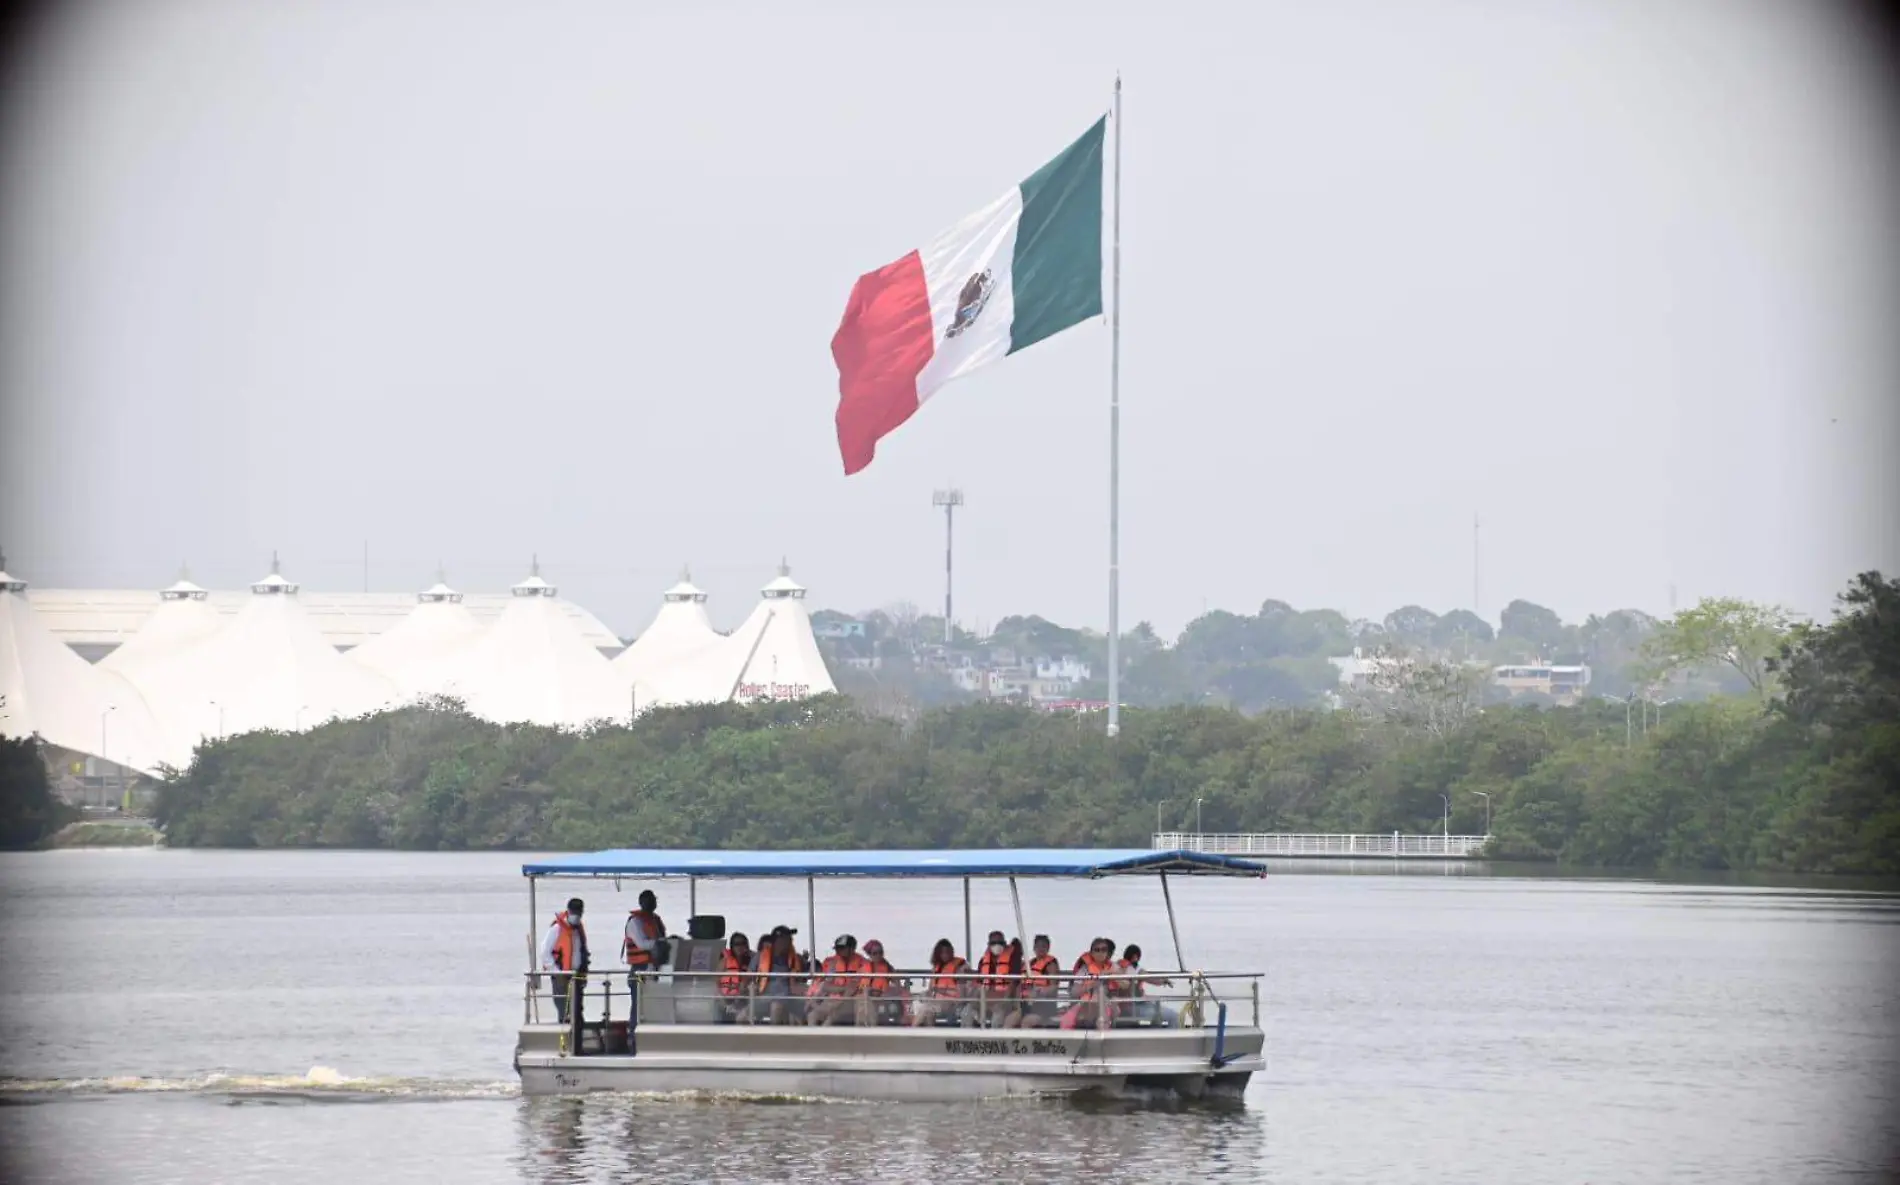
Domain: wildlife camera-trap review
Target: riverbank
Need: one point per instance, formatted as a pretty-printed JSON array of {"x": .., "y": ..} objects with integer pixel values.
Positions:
[{"x": 106, "y": 833}]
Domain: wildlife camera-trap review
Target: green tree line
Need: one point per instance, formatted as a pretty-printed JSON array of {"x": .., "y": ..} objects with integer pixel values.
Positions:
[
  {"x": 1277, "y": 656},
  {"x": 1801, "y": 774},
  {"x": 29, "y": 810}
]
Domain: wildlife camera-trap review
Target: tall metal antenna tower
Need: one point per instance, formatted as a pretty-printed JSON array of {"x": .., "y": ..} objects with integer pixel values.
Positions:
[{"x": 949, "y": 499}]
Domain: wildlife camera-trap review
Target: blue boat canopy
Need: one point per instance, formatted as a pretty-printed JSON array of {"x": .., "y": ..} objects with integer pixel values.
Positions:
[{"x": 1024, "y": 862}]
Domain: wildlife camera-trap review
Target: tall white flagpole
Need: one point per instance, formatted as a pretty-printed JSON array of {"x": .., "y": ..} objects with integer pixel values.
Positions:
[{"x": 1115, "y": 441}]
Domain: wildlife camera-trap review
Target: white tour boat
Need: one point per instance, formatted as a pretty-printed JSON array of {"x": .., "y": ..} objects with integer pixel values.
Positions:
[{"x": 1188, "y": 1041}]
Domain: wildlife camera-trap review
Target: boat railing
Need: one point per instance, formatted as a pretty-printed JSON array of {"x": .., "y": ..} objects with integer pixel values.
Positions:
[{"x": 1177, "y": 998}]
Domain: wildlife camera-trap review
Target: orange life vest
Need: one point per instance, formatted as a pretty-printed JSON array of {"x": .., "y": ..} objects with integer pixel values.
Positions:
[
  {"x": 1125, "y": 987},
  {"x": 1042, "y": 975},
  {"x": 1002, "y": 977},
  {"x": 834, "y": 981},
  {"x": 733, "y": 982},
  {"x": 944, "y": 985},
  {"x": 880, "y": 984},
  {"x": 564, "y": 955},
  {"x": 636, "y": 956},
  {"x": 1088, "y": 967},
  {"x": 796, "y": 969}
]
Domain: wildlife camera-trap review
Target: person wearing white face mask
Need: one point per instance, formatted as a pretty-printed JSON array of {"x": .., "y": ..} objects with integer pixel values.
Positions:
[
  {"x": 1002, "y": 970},
  {"x": 564, "y": 952}
]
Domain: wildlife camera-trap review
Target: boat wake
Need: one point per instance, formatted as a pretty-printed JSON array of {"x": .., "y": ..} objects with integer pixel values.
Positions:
[{"x": 318, "y": 1084}]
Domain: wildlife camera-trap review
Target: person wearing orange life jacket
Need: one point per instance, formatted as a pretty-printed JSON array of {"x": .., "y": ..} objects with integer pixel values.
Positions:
[
  {"x": 735, "y": 966},
  {"x": 883, "y": 1000},
  {"x": 564, "y": 952},
  {"x": 1001, "y": 967},
  {"x": 643, "y": 946},
  {"x": 946, "y": 993},
  {"x": 835, "y": 990},
  {"x": 1088, "y": 987},
  {"x": 779, "y": 978},
  {"x": 1153, "y": 1011},
  {"x": 1040, "y": 986}
]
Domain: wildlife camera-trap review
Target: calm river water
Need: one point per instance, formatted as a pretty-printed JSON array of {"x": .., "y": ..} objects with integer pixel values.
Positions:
[{"x": 288, "y": 1017}]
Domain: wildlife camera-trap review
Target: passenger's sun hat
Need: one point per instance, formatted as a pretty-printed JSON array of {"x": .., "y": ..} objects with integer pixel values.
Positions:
[{"x": 845, "y": 942}]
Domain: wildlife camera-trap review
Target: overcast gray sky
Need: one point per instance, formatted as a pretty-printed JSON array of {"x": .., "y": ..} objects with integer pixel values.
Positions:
[{"x": 470, "y": 281}]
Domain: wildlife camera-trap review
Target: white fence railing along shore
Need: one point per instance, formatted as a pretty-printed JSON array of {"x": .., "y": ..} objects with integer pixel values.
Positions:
[{"x": 1391, "y": 845}]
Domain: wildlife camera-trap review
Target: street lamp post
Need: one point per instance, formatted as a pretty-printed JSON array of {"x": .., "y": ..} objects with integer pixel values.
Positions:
[
  {"x": 220, "y": 708},
  {"x": 1158, "y": 806},
  {"x": 1197, "y": 818},
  {"x": 301, "y": 709},
  {"x": 1487, "y": 811},
  {"x": 103, "y": 751},
  {"x": 1447, "y": 839}
]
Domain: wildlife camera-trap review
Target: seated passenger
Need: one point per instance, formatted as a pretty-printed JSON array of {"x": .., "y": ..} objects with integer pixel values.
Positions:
[
  {"x": 946, "y": 993},
  {"x": 779, "y": 976},
  {"x": 735, "y": 964},
  {"x": 1040, "y": 986},
  {"x": 1092, "y": 1006},
  {"x": 1153, "y": 1011},
  {"x": 1000, "y": 990},
  {"x": 882, "y": 1002},
  {"x": 834, "y": 991}
]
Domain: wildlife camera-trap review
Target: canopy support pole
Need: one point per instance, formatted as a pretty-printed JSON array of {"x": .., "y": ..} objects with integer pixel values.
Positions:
[
  {"x": 811, "y": 913},
  {"x": 1180, "y": 960},
  {"x": 969, "y": 948},
  {"x": 534, "y": 985},
  {"x": 1016, "y": 903},
  {"x": 692, "y": 898}
]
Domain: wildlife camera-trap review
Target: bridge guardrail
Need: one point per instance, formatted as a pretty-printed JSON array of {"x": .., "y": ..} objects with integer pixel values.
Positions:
[{"x": 1391, "y": 845}]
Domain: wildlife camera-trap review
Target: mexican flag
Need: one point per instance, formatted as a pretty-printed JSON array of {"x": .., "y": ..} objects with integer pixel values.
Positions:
[{"x": 1024, "y": 267}]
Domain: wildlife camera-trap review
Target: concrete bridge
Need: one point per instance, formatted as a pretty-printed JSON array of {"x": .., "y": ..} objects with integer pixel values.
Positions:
[{"x": 1391, "y": 845}]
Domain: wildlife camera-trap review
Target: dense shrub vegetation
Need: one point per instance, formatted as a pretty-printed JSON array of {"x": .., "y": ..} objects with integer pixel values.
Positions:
[
  {"x": 29, "y": 810},
  {"x": 1802, "y": 773}
]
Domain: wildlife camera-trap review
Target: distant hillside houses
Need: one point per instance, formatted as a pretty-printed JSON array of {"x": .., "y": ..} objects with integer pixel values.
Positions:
[
  {"x": 899, "y": 658},
  {"x": 1560, "y": 683},
  {"x": 993, "y": 668}
]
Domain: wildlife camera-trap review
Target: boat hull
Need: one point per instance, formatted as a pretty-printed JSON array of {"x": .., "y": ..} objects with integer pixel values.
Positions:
[{"x": 892, "y": 1063}]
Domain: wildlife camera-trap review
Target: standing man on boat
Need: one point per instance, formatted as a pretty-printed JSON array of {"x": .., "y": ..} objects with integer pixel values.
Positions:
[
  {"x": 564, "y": 952},
  {"x": 644, "y": 947}
]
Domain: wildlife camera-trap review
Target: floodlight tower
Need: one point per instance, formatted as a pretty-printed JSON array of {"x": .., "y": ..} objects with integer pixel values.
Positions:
[{"x": 948, "y": 499}]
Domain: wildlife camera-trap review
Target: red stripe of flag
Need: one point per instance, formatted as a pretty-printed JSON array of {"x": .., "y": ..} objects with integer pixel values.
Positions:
[{"x": 881, "y": 346}]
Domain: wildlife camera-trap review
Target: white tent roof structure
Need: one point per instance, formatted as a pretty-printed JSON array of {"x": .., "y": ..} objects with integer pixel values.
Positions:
[
  {"x": 267, "y": 668},
  {"x": 49, "y": 691},
  {"x": 534, "y": 666},
  {"x": 419, "y": 654},
  {"x": 681, "y": 632},
  {"x": 99, "y": 619},
  {"x": 773, "y": 655},
  {"x": 184, "y": 618}
]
